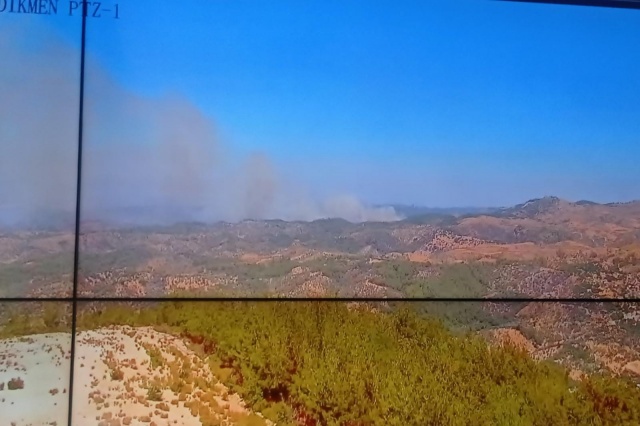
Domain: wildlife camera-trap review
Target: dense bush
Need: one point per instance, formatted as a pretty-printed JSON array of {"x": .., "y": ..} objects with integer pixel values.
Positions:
[
  {"x": 15, "y": 384},
  {"x": 15, "y": 277},
  {"x": 453, "y": 280},
  {"x": 93, "y": 263},
  {"x": 40, "y": 317},
  {"x": 350, "y": 366}
]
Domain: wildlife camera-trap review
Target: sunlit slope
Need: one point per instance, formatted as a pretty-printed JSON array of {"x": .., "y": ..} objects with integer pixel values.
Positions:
[{"x": 333, "y": 364}]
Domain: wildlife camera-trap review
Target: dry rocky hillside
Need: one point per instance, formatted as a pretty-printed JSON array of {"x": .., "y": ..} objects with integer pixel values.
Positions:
[
  {"x": 124, "y": 376},
  {"x": 544, "y": 248}
]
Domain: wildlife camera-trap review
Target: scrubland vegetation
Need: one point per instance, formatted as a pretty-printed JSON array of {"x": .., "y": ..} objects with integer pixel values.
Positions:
[
  {"x": 343, "y": 364},
  {"x": 15, "y": 277},
  {"x": 455, "y": 280},
  {"x": 19, "y": 319},
  {"x": 334, "y": 364}
]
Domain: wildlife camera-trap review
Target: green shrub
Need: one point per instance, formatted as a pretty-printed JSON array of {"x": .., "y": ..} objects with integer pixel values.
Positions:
[
  {"x": 15, "y": 384},
  {"x": 338, "y": 365},
  {"x": 117, "y": 374},
  {"x": 154, "y": 393}
]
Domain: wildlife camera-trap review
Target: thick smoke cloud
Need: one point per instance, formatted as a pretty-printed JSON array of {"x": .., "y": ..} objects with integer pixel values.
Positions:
[
  {"x": 39, "y": 97},
  {"x": 145, "y": 160},
  {"x": 261, "y": 187}
]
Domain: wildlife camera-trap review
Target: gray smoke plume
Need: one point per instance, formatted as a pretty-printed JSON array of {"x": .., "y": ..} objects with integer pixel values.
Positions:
[
  {"x": 145, "y": 160},
  {"x": 351, "y": 209},
  {"x": 261, "y": 187},
  {"x": 39, "y": 98}
]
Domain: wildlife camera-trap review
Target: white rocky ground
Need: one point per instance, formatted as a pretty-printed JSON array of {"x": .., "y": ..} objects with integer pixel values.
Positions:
[
  {"x": 124, "y": 376},
  {"x": 41, "y": 362}
]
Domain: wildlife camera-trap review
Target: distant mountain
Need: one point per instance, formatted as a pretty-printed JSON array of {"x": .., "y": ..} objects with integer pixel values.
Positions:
[
  {"x": 548, "y": 209},
  {"x": 550, "y": 205},
  {"x": 409, "y": 211},
  {"x": 551, "y": 219},
  {"x": 586, "y": 203},
  {"x": 534, "y": 207}
]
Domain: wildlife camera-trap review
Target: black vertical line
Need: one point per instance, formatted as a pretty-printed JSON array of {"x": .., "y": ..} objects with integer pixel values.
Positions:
[{"x": 76, "y": 254}]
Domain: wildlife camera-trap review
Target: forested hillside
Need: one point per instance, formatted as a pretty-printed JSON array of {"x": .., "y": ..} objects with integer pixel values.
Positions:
[{"x": 336, "y": 364}]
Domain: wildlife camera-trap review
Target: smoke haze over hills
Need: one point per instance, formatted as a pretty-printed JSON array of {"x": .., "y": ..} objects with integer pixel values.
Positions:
[
  {"x": 280, "y": 131},
  {"x": 158, "y": 157}
]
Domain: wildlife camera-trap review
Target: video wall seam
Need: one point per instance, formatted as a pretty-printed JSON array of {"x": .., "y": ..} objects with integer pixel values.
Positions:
[{"x": 318, "y": 213}]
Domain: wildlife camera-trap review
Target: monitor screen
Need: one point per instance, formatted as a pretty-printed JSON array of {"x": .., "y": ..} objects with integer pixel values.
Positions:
[{"x": 319, "y": 213}]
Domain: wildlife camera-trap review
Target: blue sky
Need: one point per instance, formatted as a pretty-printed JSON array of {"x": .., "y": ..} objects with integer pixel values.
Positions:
[{"x": 441, "y": 103}]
